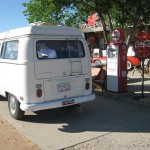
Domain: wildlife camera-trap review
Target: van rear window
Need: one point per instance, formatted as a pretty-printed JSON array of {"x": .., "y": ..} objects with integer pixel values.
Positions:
[{"x": 59, "y": 49}]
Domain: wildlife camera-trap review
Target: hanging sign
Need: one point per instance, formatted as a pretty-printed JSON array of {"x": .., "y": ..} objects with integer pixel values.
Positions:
[{"x": 142, "y": 44}]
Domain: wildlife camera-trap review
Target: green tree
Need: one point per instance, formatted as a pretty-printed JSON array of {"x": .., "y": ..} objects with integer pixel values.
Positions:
[
  {"x": 112, "y": 13},
  {"x": 70, "y": 12},
  {"x": 131, "y": 15}
]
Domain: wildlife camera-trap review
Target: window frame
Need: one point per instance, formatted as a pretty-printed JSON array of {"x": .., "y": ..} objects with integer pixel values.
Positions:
[
  {"x": 65, "y": 49},
  {"x": 4, "y": 50}
]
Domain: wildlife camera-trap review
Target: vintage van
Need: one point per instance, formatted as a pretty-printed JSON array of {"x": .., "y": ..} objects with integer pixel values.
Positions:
[{"x": 34, "y": 80}]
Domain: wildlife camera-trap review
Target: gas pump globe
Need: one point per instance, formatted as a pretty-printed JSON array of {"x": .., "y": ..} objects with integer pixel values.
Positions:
[{"x": 117, "y": 63}]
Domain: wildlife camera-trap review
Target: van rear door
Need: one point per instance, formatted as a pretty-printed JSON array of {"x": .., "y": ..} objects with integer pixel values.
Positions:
[{"x": 64, "y": 73}]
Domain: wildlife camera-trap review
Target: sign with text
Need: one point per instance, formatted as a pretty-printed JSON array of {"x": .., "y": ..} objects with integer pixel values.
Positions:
[{"x": 142, "y": 44}]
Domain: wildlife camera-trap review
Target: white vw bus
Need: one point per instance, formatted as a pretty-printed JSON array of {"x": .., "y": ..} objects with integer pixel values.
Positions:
[{"x": 44, "y": 67}]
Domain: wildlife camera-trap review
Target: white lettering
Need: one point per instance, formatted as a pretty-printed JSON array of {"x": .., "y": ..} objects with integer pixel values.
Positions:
[{"x": 145, "y": 43}]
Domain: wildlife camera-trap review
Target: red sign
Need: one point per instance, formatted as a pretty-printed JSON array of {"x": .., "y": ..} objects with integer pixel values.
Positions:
[
  {"x": 92, "y": 19},
  {"x": 142, "y": 44}
]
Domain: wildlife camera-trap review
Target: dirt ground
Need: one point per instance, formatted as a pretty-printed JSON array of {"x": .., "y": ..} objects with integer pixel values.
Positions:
[
  {"x": 12, "y": 139},
  {"x": 95, "y": 71}
]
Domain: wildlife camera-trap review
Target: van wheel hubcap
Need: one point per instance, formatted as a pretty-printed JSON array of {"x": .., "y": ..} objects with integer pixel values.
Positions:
[{"x": 13, "y": 105}]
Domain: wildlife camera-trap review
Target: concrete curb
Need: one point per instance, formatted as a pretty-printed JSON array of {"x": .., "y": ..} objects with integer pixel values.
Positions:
[{"x": 128, "y": 96}]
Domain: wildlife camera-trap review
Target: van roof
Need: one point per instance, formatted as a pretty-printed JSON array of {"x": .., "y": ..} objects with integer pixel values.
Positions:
[{"x": 42, "y": 30}]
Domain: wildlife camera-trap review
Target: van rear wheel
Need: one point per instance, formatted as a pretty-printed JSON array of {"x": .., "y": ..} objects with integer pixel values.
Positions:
[{"x": 14, "y": 107}]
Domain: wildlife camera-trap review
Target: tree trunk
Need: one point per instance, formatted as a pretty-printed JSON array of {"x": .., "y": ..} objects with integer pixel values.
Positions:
[
  {"x": 104, "y": 27},
  {"x": 110, "y": 23},
  {"x": 128, "y": 40}
]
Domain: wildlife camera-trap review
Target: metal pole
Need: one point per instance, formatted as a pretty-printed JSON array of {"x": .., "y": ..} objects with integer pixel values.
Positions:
[{"x": 143, "y": 77}]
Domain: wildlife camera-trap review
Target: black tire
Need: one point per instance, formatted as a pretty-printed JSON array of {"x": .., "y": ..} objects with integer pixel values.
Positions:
[
  {"x": 14, "y": 107},
  {"x": 129, "y": 65},
  {"x": 97, "y": 62}
]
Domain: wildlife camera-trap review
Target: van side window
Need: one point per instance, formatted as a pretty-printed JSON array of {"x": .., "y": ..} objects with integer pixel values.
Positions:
[
  {"x": 10, "y": 50},
  {"x": 59, "y": 49},
  {"x": 0, "y": 50}
]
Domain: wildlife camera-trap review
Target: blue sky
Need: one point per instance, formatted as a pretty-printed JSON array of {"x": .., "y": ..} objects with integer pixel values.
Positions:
[{"x": 11, "y": 15}]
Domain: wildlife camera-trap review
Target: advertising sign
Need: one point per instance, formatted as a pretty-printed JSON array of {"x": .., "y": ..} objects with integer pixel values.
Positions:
[
  {"x": 142, "y": 44},
  {"x": 92, "y": 19}
]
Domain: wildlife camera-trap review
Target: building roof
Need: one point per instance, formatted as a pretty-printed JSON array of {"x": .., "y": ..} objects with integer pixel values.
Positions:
[
  {"x": 92, "y": 29},
  {"x": 86, "y": 28}
]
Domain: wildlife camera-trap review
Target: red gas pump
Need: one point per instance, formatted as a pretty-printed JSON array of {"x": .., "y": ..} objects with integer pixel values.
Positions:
[{"x": 117, "y": 63}]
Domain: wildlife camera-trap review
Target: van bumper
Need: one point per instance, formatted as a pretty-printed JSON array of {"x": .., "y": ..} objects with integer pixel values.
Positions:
[{"x": 57, "y": 103}]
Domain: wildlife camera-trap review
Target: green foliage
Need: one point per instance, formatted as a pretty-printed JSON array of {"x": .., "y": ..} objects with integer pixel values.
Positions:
[
  {"x": 121, "y": 13},
  {"x": 71, "y": 12},
  {"x": 130, "y": 13},
  {"x": 45, "y": 10}
]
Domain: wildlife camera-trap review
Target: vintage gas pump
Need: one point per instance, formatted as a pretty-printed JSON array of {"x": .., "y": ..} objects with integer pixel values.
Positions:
[{"x": 117, "y": 63}]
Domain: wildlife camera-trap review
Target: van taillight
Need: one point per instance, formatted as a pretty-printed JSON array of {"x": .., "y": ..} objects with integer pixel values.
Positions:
[
  {"x": 87, "y": 85},
  {"x": 39, "y": 92}
]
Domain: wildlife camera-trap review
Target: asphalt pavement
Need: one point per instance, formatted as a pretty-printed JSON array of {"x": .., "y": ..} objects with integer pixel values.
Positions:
[{"x": 113, "y": 121}]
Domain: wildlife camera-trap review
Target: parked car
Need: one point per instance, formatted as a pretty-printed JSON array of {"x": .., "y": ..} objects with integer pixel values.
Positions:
[
  {"x": 99, "y": 60},
  {"x": 99, "y": 57},
  {"x": 131, "y": 61}
]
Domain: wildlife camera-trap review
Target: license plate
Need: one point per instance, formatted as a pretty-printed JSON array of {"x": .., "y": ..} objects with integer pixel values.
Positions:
[
  {"x": 63, "y": 87},
  {"x": 68, "y": 102}
]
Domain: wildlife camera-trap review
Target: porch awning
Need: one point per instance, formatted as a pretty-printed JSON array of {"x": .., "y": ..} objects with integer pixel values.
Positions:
[{"x": 92, "y": 29}]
